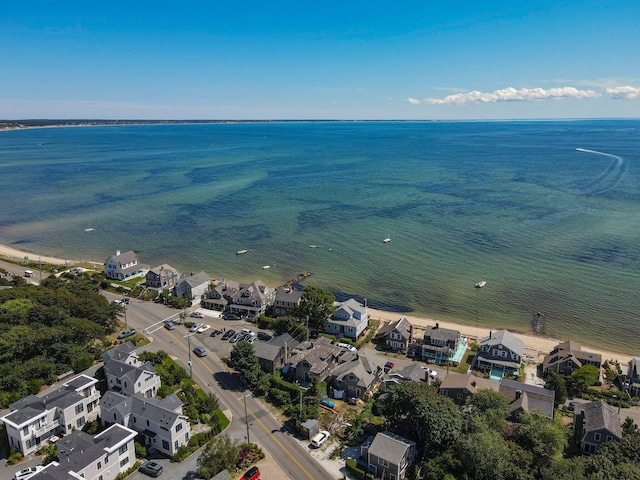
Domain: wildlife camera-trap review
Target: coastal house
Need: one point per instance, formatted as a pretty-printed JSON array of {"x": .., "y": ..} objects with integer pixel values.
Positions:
[
  {"x": 285, "y": 301},
  {"x": 160, "y": 421},
  {"x": 100, "y": 457},
  {"x": 125, "y": 353},
  {"x": 349, "y": 320},
  {"x": 253, "y": 299},
  {"x": 131, "y": 377},
  {"x": 35, "y": 418},
  {"x": 192, "y": 286},
  {"x": 396, "y": 335},
  {"x": 389, "y": 456},
  {"x": 123, "y": 266},
  {"x": 595, "y": 423},
  {"x": 632, "y": 383},
  {"x": 499, "y": 354},
  {"x": 528, "y": 398},
  {"x": 439, "y": 344},
  {"x": 162, "y": 278},
  {"x": 271, "y": 357},
  {"x": 568, "y": 356},
  {"x": 356, "y": 378},
  {"x": 313, "y": 359},
  {"x": 458, "y": 386},
  {"x": 221, "y": 296}
]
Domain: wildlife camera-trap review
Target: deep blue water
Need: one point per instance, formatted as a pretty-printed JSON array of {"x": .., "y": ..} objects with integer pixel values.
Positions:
[{"x": 549, "y": 227}]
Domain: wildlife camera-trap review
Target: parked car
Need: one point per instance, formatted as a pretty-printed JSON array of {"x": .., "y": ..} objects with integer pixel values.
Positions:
[
  {"x": 127, "y": 333},
  {"x": 170, "y": 326},
  {"x": 228, "y": 334},
  {"x": 200, "y": 351},
  {"x": 126, "y": 301},
  {"x": 215, "y": 333},
  {"x": 28, "y": 472},
  {"x": 230, "y": 316},
  {"x": 264, "y": 336},
  {"x": 150, "y": 468},
  {"x": 320, "y": 438},
  {"x": 196, "y": 326},
  {"x": 432, "y": 373},
  {"x": 388, "y": 365},
  {"x": 252, "y": 474},
  {"x": 196, "y": 315},
  {"x": 203, "y": 328},
  {"x": 346, "y": 346},
  {"x": 236, "y": 337}
]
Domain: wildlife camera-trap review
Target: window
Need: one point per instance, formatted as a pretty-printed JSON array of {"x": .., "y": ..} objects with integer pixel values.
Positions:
[
  {"x": 459, "y": 396},
  {"x": 90, "y": 408},
  {"x": 25, "y": 430},
  {"x": 383, "y": 462},
  {"x": 80, "y": 422},
  {"x": 122, "y": 449},
  {"x": 175, "y": 445},
  {"x": 124, "y": 461},
  {"x": 165, "y": 445},
  {"x": 99, "y": 466},
  {"x": 444, "y": 392},
  {"x": 609, "y": 438},
  {"x": 79, "y": 409},
  {"x": 178, "y": 427},
  {"x": 596, "y": 437}
]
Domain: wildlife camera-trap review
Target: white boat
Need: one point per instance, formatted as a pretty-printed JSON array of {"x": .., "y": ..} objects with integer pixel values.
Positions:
[
  {"x": 89, "y": 230},
  {"x": 386, "y": 240},
  {"x": 481, "y": 284},
  {"x": 240, "y": 252},
  {"x": 313, "y": 246},
  {"x": 266, "y": 266}
]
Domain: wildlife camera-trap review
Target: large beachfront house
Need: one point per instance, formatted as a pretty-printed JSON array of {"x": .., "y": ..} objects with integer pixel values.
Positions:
[
  {"x": 285, "y": 301},
  {"x": 396, "y": 335},
  {"x": 440, "y": 344},
  {"x": 162, "y": 278},
  {"x": 569, "y": 356},
  {"x": 36, "y": 418},
  {"x": 193, "y": 286},
  {"x": 253, "y": 299},
  {"x": 500, "y": 354},
  {"x": 123, "y": 266},
  {"x": 221, "y": 296},
  {"x": 350, "y": 319}
]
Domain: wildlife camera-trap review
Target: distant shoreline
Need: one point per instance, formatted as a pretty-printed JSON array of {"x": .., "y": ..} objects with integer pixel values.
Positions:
[{"x": 541, "y": 344}]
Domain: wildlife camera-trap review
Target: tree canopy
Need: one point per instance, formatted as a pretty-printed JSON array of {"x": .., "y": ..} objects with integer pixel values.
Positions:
[{"x": 316, "y": 304}]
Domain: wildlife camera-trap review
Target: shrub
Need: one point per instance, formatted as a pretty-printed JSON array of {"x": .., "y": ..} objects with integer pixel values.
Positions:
[
  {"x": 352, "y": 466},
  {"x": 14, "y": 457}
]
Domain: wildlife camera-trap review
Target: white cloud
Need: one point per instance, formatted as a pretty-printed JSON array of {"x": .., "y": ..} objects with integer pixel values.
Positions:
[
  {"x": 509, "y": 94},
  {"x": 624, "y": 92}
]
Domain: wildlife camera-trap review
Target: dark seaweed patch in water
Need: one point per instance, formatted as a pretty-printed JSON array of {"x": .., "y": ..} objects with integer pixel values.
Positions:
[
  {"x": 484, "y": 242},
  {"x": 251, "y": 233},
  {"x": 399, "y": 210},
  {"x": 599, "y": 254},
  {"x": 106, "y": 198},
  {"x": 19, "y": 242}
]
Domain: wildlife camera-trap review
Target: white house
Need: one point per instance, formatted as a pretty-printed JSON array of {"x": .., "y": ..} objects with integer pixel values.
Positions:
[
  {"x": 123, "y": 266},
  {"x": 350, "y": 320}
]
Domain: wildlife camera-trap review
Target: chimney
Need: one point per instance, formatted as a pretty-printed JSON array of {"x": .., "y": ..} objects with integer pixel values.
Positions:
[
  {"x": 437, "y": 325},
  {"x": 490, "y": 333},
  {"x": 365, "y": 302},
  {"x": 518, "y": 394},
  {"x": 117, "y": 253},
  {"x": 473, "y": 384}
]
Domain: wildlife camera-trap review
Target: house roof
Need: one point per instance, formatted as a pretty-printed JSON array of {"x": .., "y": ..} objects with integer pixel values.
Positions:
[
  {"x": 356, "y": 312},
  {"x": 457, "y": 381},
  {"x": 505, "y": 338},
  {"x": 285, "y": 338},
  {"x": 413, "y": 372},
  {"x": 390, "y": 447},
  {"x": 159, "y": 270},
  {"x": 362, "y": 367},
  {"x": 401, "y": 326},
  {"x": 318, "y": 353},
  {"x": 266, "y": 351},
  {"x": 599, "y": 415},
  {"x": 165, "y": 412},
  {"x": 442, "y": 334},
  {"x": 288, "y": 295},
  {"x": 570, "y": 350},
  {"x": 121, "y": 369},
  {"x": 196, "y": 279},
  {"x": 33, "y": 406},
  {"x": 121, "y": 353},
  {"x": 126, "y": 257},
  {"x": 530, "y": 398}
]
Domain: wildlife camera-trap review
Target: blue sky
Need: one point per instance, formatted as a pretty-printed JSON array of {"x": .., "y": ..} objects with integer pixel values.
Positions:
[{"x": 410, "y": 60}]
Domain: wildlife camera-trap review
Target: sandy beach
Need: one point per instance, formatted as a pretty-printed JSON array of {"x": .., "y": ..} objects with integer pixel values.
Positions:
[{"x": 540, "y": 344}]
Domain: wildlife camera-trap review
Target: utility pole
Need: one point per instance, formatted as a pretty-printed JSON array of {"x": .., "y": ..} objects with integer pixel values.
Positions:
[
  {"x": 189, "y": 347},
  {"x": 246, "y": 417}
]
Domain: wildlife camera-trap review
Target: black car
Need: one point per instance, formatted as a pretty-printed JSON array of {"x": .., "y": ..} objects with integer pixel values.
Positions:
[
  {"x": 215, "y": 333},
  {"x": 152, "y": 469},
  {"x": 230, "y": 316},
  {"x": 264, "y": 336},
  {"x": 228, "y": 334}
]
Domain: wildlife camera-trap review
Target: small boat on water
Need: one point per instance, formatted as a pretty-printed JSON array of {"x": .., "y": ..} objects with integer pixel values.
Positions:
[
  {"x": 481, "y": 284},
  {"x": 89, "y": 229},
  {"x": 386, "y": 240},
  {"x": 313, "y": 246},
  {"x": 240, "y": 252},
  {"x": 266, "y": 266}
]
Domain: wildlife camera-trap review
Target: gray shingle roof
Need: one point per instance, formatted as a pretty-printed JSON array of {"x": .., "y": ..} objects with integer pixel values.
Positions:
[
  {"x": 390, "y": 447},
  {"x": 506, "y": 338}
]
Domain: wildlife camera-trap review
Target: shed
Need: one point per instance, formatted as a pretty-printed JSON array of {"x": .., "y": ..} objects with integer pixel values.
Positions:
[{"x": 309, "y": 428}]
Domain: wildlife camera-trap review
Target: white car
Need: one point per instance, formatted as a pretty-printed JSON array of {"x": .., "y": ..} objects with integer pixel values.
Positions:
[
  {"x": 346, "y": 346},
  {"x": 196, "y": 327},
  {"x": 28, "y": 472},
  {"x": 430, "y": 372},
  {"x": 203, "y": 328},
  {"x": 196, "y": 315},
  {"x": 320, "y": 438}
]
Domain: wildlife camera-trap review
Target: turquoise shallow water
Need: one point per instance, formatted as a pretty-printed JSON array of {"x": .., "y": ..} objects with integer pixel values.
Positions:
[{"x": 551, "y": 228}]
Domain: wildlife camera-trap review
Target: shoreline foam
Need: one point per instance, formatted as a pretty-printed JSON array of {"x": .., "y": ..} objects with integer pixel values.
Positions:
[{"x": 541, "y": 344}]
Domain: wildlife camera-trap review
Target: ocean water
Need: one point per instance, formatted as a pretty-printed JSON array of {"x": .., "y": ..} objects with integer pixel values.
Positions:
[{"x": 548, "y": 213}]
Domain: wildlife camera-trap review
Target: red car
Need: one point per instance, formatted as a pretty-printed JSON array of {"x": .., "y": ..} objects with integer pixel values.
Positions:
[
  {"x": 252, "y": 474},
  {"x": 388, "y": 365}
]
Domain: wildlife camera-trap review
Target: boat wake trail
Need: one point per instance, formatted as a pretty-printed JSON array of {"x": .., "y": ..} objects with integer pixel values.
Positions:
[{"x": 610, "y": 178}]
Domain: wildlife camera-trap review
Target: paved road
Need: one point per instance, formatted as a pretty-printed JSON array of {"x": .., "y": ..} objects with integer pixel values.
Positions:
[{"x": 212, "y": 375}]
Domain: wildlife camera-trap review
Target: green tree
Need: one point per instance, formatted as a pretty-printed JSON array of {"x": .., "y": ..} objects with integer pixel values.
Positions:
[
  {"x": 546, "y": 439},
  {"x": 556, "y": 382},
  {"x": 220, "y": 453},
  {"x": 316, "y": 305},
  {"x": 489, "y": 408},
  {"x": 244, "y": 360},
  {"x": 583, "y": 378},
  {"x": 421, "y": 414}
]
